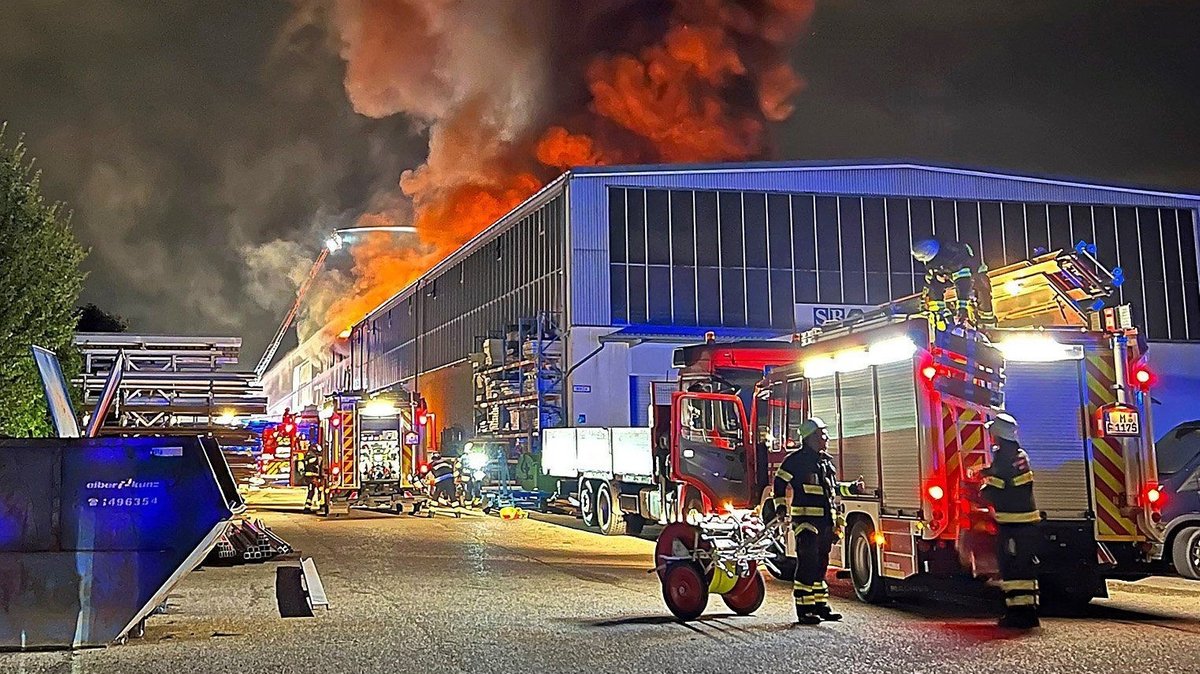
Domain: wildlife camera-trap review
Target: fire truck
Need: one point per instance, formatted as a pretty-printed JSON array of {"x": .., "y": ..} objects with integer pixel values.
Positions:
[
  {"x": 372, "y": 450},
  {"x": 276, "y": 465},
  {"x": 906, "y": 400}
]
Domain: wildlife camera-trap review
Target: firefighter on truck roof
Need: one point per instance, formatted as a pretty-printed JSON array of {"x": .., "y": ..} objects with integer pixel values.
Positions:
[
  {"x": 954, "y": 263},
  {"x": 810, "y": 472},
  {"x": 1008, "y": 487}
]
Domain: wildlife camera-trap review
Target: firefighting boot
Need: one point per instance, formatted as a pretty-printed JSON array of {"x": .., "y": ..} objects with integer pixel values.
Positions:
[
  {"x": 1019, "y": 620},
  {"x": 806, "y": 616},
  {"x": 827, "y": 614}
]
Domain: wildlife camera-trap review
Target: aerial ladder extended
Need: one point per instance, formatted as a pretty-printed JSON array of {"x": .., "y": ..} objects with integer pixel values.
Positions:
[{"x": 332, "y": 245}]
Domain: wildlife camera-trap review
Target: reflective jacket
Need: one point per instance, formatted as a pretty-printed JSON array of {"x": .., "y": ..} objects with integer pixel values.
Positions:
[
  {"x": 442, "y": 470},
  {"x": 1008, "y": 486},
  {"x": 813, "y": 479}
]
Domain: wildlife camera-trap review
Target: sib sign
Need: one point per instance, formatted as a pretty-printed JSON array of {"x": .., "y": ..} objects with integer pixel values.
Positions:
[{"x": 813, "y": 315}]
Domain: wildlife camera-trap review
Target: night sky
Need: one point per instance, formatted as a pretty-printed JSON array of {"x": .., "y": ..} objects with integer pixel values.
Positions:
[{"x": 198, "y": 143}]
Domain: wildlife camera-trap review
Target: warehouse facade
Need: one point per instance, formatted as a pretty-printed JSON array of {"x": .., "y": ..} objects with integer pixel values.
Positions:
[{"x": 632, "y": 261}]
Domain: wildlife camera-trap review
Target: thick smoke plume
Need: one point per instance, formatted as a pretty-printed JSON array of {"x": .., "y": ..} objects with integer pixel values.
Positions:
[{"x": 512, "y": 92}]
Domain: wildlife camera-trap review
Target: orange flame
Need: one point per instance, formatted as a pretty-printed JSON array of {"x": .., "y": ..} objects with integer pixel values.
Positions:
[{"x": 704, "y": 89}]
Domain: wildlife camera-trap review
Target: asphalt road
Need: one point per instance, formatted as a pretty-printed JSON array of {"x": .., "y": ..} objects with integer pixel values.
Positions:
[{"x": 484, "y": 595}]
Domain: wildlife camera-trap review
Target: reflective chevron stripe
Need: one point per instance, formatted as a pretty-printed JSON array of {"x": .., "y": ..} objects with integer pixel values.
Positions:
[
  {"x": 1030, "y": 517},
  {"x": 1023, "y": 478}
]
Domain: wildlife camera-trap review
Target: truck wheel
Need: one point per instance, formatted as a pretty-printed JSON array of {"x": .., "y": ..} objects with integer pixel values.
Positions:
[
  {"x": 587, "y": 503},
  {"x": 1185, "y": 553},
  {"x": 608, "y": 511},
  {"x": 869, "y": 584},
  {"x": 685, "y": 591},
  {"x": 691, "y": 501}
]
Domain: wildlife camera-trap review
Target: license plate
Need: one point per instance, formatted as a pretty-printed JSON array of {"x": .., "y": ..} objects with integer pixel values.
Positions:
[{"x": 1122, "y": 422}]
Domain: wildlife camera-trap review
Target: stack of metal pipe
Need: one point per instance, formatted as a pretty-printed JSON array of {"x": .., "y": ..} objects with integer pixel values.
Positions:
[{"x": 248, "y": 540}]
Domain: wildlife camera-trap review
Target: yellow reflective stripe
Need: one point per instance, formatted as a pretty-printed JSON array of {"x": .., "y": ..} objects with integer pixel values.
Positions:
[
  {"x": 802, "y": 527},
  {"x": 1023, "y": 478},
  {"x": 821, "y": 585},
  {"x": 814, "y": 489},
  {"x": 1019, "y": 518},
  {"x": 804, "y": 601},
  {"x": 782, "y": 474},
  {"x": 994, "y": 482},
  {"x": 780, "y": 500},
  {"x": 808, "y": 512},
  {"x": 797, "y": 585},
  {"x": 1015, "y": 585},
  {"x": 961, "y": 273},
  {"x": 1021, "y": 600}
]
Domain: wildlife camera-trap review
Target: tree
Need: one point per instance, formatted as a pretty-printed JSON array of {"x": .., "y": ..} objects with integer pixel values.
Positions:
[
  {"x": 40, "y": 281},
  {"x": 94, "y": 319}
]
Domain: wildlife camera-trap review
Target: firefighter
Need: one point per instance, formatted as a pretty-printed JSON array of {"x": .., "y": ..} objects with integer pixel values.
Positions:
[
  {"x": 1008, "y": 487},
  {"x": 310, "y": 472},
  {"x": 441, "y": 472},
  {"x": 810, "y": 472},
  {"x": 955, "y": 263}
]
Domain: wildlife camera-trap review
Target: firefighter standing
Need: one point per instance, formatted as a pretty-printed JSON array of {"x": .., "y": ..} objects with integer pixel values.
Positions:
[
  {"x": 310, "y": 471},
  {"x": 814, "y": 516},
  {"x": 1008, "y": 487},
  {"x": 441, "y": 472},
  {"x": 955, "y": 263}
]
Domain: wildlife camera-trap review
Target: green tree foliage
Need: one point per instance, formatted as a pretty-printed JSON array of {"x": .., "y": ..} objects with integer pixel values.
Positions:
[{"x": 40, "y": 281}]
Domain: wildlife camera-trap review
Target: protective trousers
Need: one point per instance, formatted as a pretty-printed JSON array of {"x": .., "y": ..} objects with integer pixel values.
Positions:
[
  {"x": 1018, "y": 569},
  {"x": 314, "y": 497},
  {"x": 813, "y": 543}
]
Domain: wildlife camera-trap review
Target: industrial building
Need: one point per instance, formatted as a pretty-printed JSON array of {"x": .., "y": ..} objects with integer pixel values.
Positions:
[{"x": 632, "y": 261}]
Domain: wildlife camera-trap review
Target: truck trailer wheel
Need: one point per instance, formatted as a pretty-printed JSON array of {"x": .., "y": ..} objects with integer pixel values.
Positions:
[
  {"x": 608, "y": 511},
  {"x": 865, "y": 573},
  {"x": 1185, "y": 553},
  {"x": 587, "y": 502}
]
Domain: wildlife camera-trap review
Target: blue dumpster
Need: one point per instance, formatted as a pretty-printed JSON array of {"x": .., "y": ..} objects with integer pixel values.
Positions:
[{"x": 94, "y": 532}]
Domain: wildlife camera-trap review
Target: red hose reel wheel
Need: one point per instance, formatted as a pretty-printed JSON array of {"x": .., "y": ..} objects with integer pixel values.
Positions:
[
  {"x": 747, "y": 595},
  {"x": 676, "y": 540},
  {"x": 685, "y": 590}
]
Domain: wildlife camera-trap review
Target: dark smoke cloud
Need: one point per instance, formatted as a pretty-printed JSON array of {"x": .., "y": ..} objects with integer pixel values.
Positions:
[{"x": 204, "y": 147}]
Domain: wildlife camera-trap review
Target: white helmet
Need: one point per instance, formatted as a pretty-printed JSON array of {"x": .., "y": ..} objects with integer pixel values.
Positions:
[{"x": 1004, "y": 426}]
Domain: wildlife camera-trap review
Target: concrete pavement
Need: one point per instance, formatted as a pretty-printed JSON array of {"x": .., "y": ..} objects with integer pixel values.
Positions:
[{"x": 485, "y": 595}]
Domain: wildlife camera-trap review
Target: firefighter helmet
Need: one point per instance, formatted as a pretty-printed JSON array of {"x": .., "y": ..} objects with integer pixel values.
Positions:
[
  {"x": 1004, "y": 426},
  {"x": 925, "y": 250},
  {"x": 811, "y": 425}
]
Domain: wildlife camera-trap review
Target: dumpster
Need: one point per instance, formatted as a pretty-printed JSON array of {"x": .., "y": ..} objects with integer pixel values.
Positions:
[{"x": 94, "y": 532}]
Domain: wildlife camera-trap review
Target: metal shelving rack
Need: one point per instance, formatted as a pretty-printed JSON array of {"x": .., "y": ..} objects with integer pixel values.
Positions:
[{"x": 518, "y": 384}]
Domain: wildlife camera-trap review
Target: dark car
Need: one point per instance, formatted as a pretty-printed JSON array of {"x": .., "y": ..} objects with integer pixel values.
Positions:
[{"x": 1179, "y": 473}]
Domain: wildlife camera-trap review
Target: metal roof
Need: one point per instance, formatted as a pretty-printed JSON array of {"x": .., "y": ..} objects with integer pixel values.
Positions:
[{"x": 884, "y": 178}]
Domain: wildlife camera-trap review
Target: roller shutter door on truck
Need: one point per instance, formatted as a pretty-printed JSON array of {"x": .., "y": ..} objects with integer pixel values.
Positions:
[
  {"x": 860, "y": 447},
  {"x": 898, "y": 439},
  {"x": 1047, "y": 401}
]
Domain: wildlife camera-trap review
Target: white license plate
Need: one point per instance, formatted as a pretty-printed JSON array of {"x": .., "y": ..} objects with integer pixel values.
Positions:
[{"x": 1122, "y": 423}]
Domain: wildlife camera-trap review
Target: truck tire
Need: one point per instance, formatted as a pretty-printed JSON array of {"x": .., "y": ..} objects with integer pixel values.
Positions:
[
  {"x": 608, "y": 511},
  {"x": 1185, "y": 553},
  {"x": 587, "y": 502},
  {"x": 691, "y": 501},
  {"x": 865, "y": 573}
]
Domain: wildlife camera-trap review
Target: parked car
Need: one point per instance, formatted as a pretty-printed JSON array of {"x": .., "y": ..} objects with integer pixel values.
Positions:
[{"x": 1179, "y": 474}]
